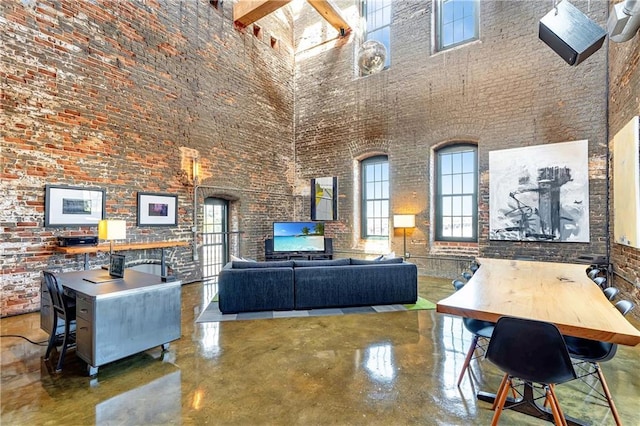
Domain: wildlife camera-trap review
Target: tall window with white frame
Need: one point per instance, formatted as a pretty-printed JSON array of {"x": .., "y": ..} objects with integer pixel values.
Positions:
[
  {"x": 377, "y": 15},
  {"x": 457, "y": 193},
  {"x": 457, "y": 22},
  {"x": 375, "y": 197}
]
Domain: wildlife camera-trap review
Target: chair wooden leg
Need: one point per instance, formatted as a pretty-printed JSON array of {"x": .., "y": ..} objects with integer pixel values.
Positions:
[
  {"x": 548, "y": 401},
  {"x": 501, "y": 397},
  {"x": 52, "y": 337},
  {"x": 502, "y": 383},
  {"x": 558, "y": 415},
  {"x": 605, "y": 388},
  {"x": 467, "y": 360}
]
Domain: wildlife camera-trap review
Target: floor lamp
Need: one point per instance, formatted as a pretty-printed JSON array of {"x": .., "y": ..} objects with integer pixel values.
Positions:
[
  {"x": 404, "y": 221},
  {"x": 112, "y": 230}
]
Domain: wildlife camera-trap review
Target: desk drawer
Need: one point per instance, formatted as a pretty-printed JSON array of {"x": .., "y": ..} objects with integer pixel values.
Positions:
[
  {"x": 84, "y": 307},
  {"x": 84, "y": 340}
]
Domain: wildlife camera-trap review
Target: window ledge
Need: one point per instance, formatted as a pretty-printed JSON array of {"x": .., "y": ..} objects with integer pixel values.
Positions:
[{"x": 454, "y": 247}]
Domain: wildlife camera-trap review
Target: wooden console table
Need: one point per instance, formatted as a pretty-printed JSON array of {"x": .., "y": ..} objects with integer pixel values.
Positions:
[{"x": 85, "y": 250}]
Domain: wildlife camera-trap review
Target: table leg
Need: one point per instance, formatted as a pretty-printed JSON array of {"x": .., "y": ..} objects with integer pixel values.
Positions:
[
  {"x": 527, "y": 405},
  {"x": 163, "y": 265},
  {"x": 91, "y": 370}
]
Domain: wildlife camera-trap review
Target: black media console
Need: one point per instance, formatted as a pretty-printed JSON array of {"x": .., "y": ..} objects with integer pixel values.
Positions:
[{"x": 269, "y": 254}]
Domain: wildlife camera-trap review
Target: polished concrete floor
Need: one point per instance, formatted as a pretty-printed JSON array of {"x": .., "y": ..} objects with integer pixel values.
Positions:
[{"x": 387, "y": 369}]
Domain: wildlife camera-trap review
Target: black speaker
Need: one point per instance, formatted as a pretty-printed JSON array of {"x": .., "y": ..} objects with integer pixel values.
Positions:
[
  {"x": 570, "y": 33},
  {"x": 268, "y": 246}
]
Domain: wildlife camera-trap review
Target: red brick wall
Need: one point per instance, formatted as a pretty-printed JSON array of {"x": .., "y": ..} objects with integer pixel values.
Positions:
[
  {"x": 104, "y": 94},
  {"x": 507, "y": 90},
  {"x": 624, "y": 104}
]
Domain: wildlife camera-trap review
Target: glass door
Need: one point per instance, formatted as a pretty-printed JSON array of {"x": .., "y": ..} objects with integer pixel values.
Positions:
[{"x": 215, "y": 238}]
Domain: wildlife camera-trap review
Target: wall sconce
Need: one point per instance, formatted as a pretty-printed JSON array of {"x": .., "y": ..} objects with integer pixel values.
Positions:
[
  {"x": 404, "y": 221},
  {"x": 195, "y": 170},
  {"x": 112, "y": 230}
]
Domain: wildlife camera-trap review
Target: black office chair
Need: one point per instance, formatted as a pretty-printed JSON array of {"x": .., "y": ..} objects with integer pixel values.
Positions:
[
  {"x": 481, "y": 331},
  {"x": 457, "y": 284},
  {"x": 534, "y": 352},
  {"x": 624, "y": 306},
  {"x": 601, "y": 281},
  {"x": 64, "y": 308},
  {"x": 611, "y": 292},
  {"x": 593, "y": 273},
  {"x": 590, "y": 353}
]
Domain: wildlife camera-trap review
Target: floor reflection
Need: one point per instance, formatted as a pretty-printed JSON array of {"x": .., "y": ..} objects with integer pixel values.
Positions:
[
  {"x": 157, "y": 402},
  {"x": 379, "y": 362},
  {"x": 374, "y": 369}
]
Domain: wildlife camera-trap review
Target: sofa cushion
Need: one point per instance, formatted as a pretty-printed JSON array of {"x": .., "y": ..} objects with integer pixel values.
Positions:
[
  {"x": 375, "y": 261},
  {"x": 355, "y": 285},
  {"x": 334, "y": 262},
  {"x": 252, "y": 265}
]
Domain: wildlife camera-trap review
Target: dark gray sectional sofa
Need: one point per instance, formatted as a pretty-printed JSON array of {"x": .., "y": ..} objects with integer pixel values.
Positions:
[{"x": 311, "y": 284}]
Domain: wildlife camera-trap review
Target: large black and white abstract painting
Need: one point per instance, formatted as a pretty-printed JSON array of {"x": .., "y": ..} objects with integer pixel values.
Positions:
[{"x": 540, "y": 193}]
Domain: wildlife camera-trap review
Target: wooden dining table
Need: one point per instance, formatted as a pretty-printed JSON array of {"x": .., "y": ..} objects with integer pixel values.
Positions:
[{"x": 559, "y": 293}]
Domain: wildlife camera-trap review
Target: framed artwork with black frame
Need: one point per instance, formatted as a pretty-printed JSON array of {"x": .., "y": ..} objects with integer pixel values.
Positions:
[
  {"x": 324, "y": 198},
  {"x": 73, "y": 206},
  {"x": 155, "y": 209},
  {"x": 116, "y": 265}
]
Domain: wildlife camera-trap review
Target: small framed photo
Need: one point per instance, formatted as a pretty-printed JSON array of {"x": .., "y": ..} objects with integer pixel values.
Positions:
[
  {"x": 116, "y": 265},
  {"x": 73, "y": 206},
  {"x": 157, "y": 209},
  {"x": 324, "y": 198}
]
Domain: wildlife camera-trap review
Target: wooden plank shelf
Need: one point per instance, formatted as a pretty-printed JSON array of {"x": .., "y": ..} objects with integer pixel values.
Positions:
[
  {"x": 121, "y": 247},
  {"x": 86, "y": 250}
]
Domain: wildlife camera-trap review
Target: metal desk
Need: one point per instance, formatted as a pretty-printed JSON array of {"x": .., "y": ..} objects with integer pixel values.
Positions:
[{"x": 122, "y": 317}]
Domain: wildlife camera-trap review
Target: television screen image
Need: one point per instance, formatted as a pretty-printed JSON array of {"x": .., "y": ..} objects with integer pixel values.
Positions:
[{"x": 298, "y": 236}]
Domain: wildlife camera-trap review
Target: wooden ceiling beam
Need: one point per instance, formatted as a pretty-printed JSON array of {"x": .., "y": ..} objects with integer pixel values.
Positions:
[
  {"x": 332, "y": 14},
  {"x": 246, "y": 12}
]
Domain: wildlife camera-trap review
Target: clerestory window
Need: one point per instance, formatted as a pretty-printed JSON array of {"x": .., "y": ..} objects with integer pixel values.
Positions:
[{"x": 457, "y": 22}]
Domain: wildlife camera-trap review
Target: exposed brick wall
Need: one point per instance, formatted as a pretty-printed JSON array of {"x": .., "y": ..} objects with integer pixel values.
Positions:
[
  {"x": 624, "y": 104},
  {"x": 507, "y": 90},
  {"x": 105, "y": 93}
]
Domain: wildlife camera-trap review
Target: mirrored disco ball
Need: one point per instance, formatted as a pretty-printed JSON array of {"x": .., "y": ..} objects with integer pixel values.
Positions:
[{"x": 371, "y": 57}]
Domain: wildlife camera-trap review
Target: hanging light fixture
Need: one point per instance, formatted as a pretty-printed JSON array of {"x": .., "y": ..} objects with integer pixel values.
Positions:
[{"x": 372, "y": 57}]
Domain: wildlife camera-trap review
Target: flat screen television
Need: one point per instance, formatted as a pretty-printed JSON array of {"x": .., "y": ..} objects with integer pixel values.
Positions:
[{"x": 298, "y": 236}]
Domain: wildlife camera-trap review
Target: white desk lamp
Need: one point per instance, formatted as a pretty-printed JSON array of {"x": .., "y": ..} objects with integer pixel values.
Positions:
[{"x": 112, "y": 230}]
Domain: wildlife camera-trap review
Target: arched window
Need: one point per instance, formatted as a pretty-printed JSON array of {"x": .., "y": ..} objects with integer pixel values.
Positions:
[
  {"x": 375, "y": 197},
  {"x": 457, "y": 193}
]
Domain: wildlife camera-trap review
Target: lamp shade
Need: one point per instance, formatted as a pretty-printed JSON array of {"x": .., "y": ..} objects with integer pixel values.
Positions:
[
  {"x": 112, "y": 229},
  {"x": 404, "y": 220}
]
